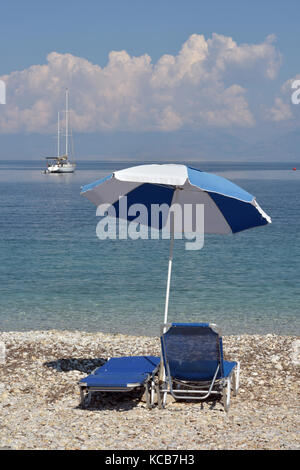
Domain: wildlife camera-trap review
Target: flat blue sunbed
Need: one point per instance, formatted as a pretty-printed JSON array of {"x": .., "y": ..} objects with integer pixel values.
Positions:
[{"x": 121, "y": 374}]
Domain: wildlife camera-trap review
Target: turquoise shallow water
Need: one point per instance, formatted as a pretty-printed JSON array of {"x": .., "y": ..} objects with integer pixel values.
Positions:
[{"x": 56, "y": 274}]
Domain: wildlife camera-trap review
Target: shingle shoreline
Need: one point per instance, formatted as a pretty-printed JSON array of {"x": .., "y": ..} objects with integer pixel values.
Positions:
[{"x": 39, "y": 397}]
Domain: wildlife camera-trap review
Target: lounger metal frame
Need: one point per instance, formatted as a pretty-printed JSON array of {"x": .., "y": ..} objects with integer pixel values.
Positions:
[{"x": 86, "y": 391}]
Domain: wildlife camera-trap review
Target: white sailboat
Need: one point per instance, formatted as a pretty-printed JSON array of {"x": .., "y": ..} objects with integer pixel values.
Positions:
[{"x": 61, "y": 163}]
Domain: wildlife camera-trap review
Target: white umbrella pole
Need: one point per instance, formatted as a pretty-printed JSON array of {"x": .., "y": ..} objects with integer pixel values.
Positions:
[
  {"x": 169, "y": 275},
  {"x": 172, "y": 221},
  {"x": 162, "y": 372}
]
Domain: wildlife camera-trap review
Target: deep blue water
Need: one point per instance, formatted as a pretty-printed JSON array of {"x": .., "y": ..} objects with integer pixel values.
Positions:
[{"x": 56, "y": 274}]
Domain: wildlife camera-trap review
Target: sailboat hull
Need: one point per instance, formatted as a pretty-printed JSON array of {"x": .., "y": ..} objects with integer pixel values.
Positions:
[{"x": 65, "y": 168}]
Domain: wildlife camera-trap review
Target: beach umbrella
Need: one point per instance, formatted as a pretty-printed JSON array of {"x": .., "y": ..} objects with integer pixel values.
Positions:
[{"x": 227, "y": 208}]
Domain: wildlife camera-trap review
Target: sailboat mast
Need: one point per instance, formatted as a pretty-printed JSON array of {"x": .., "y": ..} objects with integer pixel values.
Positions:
[
  {"x": 67, "y": 119},
  {"x": 58, "y": 132}
]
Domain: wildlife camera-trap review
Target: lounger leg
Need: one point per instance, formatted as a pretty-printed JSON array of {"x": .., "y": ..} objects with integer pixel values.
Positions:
[
  {"x": 149, "y": 392},
  {"x": 226, "y": 393},
  {"x": 161, "y": 394},
  {"x": 148, "y": 395},
  {"x": 152, "y": 393},
  {"x": 82, "y": 397},
  {"x": 159, "y": 398},
  {"x": 236, "y": 379},
  {"x": 85, "y": 398}
]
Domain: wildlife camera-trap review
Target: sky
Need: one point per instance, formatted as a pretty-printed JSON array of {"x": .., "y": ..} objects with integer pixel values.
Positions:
[{"x": 162, "y": 80}]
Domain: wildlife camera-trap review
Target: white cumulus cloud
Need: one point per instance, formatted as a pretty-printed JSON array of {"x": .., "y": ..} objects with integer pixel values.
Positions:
[{"x": 202, "y": 86}]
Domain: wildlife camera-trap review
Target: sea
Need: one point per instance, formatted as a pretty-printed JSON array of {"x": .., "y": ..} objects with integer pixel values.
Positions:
[{"x": 55, "y": 273}]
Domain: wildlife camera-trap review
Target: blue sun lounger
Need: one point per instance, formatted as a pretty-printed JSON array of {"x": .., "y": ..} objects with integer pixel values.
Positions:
[
  {"x": 194, "y": 367},
  {"x": 121, "y": 374}
]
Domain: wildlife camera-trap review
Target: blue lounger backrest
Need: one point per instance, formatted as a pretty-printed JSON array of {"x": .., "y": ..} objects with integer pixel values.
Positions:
[{"x": 192, "y": 351}]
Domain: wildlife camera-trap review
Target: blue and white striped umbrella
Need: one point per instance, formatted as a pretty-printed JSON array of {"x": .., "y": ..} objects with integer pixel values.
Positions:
[{"x": 227, "y": 207}]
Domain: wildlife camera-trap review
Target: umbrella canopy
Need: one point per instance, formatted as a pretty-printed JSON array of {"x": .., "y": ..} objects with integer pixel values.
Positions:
[{"x": 227, "y": 207}]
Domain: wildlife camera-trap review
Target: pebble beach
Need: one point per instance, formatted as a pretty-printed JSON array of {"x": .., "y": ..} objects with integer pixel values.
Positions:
[{"x": 39, "y": 397}]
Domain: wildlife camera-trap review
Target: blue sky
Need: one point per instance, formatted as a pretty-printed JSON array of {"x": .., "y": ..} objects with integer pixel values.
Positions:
[
  {"x": 84, "y": 34},
  {"x": 32, "y": 29}
]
